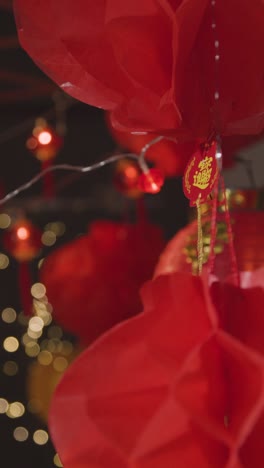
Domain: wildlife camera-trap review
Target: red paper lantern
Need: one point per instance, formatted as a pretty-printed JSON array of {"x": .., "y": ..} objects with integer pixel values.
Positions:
[
  {"x": 93, "y": 282},
  {"x": 179, "y": 385},
  {"x": 163, "y": 65},
  {"x": 248, "y": 227}
]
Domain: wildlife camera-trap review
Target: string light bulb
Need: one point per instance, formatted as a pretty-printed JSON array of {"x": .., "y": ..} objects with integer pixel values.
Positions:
[
  {"x": 126, "y": 178},
  {"x": 23, "y": 240},
  {"x": 44, "y": 143},
  {"x": 151, "y": 181}
]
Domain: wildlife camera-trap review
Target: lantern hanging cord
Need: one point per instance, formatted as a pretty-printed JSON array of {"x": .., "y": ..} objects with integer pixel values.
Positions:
[
  {"x": 70, "y": 167},
  {"x": 200, "y": 236},
  {"x": 216, "y": 58}
]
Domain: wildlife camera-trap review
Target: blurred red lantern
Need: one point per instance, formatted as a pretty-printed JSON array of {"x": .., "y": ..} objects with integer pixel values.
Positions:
[
  {"x": 23, "y": 242},
  {"x": 248, "y": 227},
  {"x": 93, "y": 282},
  {"x": 185, "y": 387},
  {"x": 126, "y": 178},
  {"x": 155, "y": 64},
  {"x": 44, "y": 144}
]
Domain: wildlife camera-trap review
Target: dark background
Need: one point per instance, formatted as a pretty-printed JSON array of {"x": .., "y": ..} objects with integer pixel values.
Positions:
[{"x": 25, "y": 94}]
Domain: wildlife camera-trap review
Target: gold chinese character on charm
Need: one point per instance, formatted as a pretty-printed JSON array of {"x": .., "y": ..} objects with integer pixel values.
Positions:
[{"x": 202, "y": 176}]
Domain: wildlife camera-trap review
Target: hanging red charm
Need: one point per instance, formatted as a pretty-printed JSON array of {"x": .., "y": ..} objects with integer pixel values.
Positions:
[{"x": 201, "y": 174}]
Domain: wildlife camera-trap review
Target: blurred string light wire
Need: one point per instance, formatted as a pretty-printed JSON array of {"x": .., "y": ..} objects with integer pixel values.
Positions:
[{"x": 84, "y": 169}]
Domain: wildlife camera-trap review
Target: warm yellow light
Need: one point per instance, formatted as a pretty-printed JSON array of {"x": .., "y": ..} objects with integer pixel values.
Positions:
[
  {"x": 15, "y": 410},
  {"x": 38, "y": 290},
  {"x": 5, "y": 221},
  {"x": 10, "y": 368},
  {"x": 57, "y": 461},
  {"x": 20, "y": 434},
  {"x": 4, "y": 261},
  {"x": 11, "y": 344},
  {"x": 45, "y": 358},
  {"x": 58, "y": 228},
  {"x": 60, "y": 364},
  {"x": 9, "y": 315},
  {"x": 40, "y": 263},
  {"x": 34, "y": 335},
  {"x": 44, "y": 137},
  {"x": 3, "y": 405},
  {"x": 32, "y": 349},
  {"x": 26, "y": 339},
  {"x": 48, "y": 238},
  {"x": 35, "y": 324},
  {"x": 40, "y": 437},
  {"x": 23, "y": 233}
]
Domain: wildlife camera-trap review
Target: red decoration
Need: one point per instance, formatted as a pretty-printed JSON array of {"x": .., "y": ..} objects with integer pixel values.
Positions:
[
  {"x": 248, "y": 228},
  {"x": 200, "y": 175},
  {"x": 44, "y": 142},
  {"x": 153, "y": 63},
  {"x": 23, "y": 242},
  {"x": 151, "y": 181},
  {"x": 126, "y": 178},
  {"x": 93, "y": 282},
  {"x": 185, "y": 386}
]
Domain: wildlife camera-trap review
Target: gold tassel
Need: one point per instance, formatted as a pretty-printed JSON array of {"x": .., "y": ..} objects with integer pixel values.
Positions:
[{"x": 200, "y": 236}]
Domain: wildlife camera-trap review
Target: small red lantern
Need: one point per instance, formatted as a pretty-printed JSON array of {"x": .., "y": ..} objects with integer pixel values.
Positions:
[
  {"x": 126, "y": 178},
  {"x": 23, "y": 242},
  {"x": 44, "y": 144}
]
